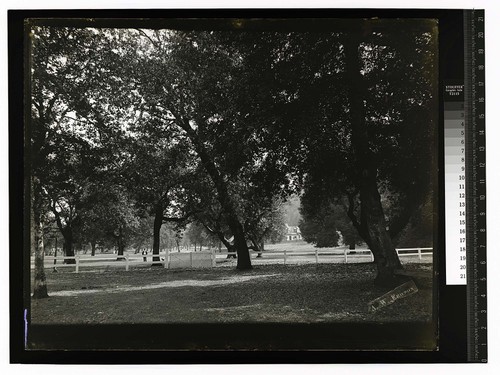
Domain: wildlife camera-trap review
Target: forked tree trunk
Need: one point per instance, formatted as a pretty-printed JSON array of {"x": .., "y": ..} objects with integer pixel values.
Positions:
[
  {"x": 372, "y": 215},
  {"x": 40, "y": 280}
]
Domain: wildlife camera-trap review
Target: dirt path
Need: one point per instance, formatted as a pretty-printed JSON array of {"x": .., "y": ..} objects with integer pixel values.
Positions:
[{"x": 167, "y": 284}]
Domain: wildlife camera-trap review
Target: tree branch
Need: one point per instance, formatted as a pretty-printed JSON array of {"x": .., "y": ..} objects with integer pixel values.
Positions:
[
  {"x": 219, "y": 234},
  {"x": 179, "y": 219},
  {"x": 147, "y": 36}
]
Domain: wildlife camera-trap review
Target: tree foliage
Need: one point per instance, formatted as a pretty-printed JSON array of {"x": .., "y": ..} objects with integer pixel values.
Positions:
[
  {"x": 365, "y": 139},
  {"x": 135, "y": 128}
]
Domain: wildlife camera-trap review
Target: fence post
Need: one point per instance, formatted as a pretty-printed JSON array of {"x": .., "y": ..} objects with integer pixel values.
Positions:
[
  {"x": 191, "y": 258},
  {"x": 165, "y": 263},
  {"x": 77, "y": 259},
  {"x": 371, "y": 255},
  {"x": 284, "y": 256},
  {"x": 212, "y": 256},
  {"x": 316, "y": 255},
  {"x": 126, "y": 262},
  {"x": 419, "y": 253},
  {"x": 168, "y": 258},
  {"x": 345, "y": 256}
]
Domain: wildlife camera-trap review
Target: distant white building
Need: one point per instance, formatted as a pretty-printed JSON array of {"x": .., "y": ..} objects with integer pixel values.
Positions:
[{"x": 292, "y": 233}]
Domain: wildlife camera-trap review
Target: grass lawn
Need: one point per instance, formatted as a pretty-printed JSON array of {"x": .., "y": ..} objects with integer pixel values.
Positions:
[{"x": 269, "y": 293}]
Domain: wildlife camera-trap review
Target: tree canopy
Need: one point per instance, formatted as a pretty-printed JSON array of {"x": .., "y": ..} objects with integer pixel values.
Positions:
[{"x": 220, "y": 127}]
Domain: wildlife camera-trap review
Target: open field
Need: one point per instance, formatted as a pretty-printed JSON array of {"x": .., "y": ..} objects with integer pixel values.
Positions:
[{"x": 268, "y": 293}]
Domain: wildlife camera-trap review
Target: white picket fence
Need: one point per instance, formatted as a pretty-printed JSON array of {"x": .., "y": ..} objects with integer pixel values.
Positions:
[
  {"x": 345, "y": 253},
  {"x": 199, "y": 259},
  {"x": 208, "y": 259}
]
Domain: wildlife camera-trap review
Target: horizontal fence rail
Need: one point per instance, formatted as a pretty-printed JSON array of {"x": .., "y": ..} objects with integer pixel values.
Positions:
[
  {"x": 345, "y": 253},
  {"x": 207, "y": 259}
]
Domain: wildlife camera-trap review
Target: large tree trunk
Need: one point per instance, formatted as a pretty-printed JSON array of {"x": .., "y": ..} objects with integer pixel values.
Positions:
[
  {"x": 156, "y": 234},
  {"x": 92, "y": 244},
  {"x": 120, "y": 243},
  {"x": 40, "y": 281},
  {"x": 68, "y": 248},
  {"x": 373, "y": 224},
  {"x": 240, "y": 244},
  {"x": 67, "y": 233},
  {"x": 384, "y": 253}
]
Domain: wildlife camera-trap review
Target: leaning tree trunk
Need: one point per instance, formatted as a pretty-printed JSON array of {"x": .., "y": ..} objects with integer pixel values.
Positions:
[
  {"x": 223, "y": 196},
  {"x": 156, "y": 234},
  {"x": 372, "y": 214},
  {"x": 40, "y": 280}
]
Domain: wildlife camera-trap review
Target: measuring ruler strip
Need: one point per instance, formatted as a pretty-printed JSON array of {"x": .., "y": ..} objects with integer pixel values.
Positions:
[{"x": 474, "y": 75}]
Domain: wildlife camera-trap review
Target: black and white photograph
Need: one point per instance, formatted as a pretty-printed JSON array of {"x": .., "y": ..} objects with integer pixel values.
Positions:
[{"x": 237, "y": 173}]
